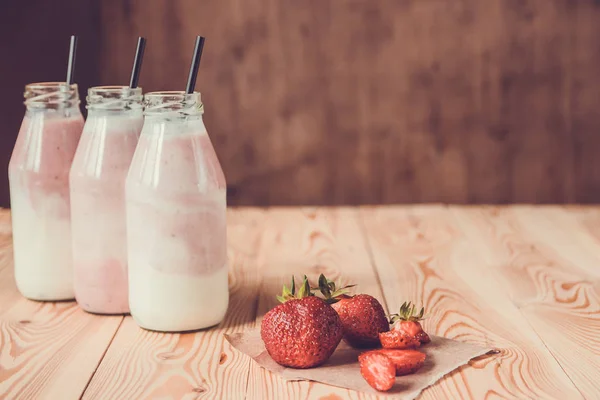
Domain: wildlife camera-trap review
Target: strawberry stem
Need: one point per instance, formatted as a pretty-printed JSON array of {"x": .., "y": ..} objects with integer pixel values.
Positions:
[
  {"x": 408, "y": 312},
  {"x": 289, "y": 294},
  {"x": 329, "y": 290}
]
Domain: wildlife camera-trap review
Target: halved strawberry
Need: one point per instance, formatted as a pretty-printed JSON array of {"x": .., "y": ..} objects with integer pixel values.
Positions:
[
  {"x": 378, "y": 370},
  {"x": 406, "y": 361},
  {"x": 407, "y": 321},
  {"x": 396, "y": 339},
  {"x": 414, "y": 329}
]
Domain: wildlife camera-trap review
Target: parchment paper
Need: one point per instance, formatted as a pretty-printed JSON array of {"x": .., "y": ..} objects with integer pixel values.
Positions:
[{"x": 342, "y": 369}]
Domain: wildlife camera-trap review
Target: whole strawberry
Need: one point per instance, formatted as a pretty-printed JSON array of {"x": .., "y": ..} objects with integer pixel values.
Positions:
[
  {"x": 302, "y": 332},
  {"x": 362, "y": 315},
  {"x": 407, "y": 322}
]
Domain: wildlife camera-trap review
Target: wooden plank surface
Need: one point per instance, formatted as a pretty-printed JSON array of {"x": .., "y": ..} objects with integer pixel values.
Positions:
[
  {"x": 142, "y": 364},
  {"x": 417, "y": 252},
  {"x": 554, "y": 283},
  {"x": 310, "y": 242},
  {"x": 47, "y": 350},
  {"x": 521, "y": 279}
]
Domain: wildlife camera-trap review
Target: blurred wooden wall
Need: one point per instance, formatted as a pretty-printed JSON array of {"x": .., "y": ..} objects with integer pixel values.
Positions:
[{"x": 379, "y": 101}]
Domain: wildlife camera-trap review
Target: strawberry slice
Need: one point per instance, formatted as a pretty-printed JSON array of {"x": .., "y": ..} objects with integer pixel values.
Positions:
[
  {"x": 407, "y": 321},
  {"x": 378, "y": 370},
  {"x": 397, "y": 339},
  {"x": 406, "y": 361},
  {"x": 414, "y": 329}
]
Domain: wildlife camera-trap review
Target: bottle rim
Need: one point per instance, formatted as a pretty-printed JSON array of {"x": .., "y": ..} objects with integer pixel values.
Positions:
[
  {"x": 174, "y": 94},
  {"x": 52, "y": 84},
  {"x": 173, "y": 103},
  {"x": 51, "y": 95},
  {"x": 114, "y": 98},
  {"x": 112, "y": 88}
]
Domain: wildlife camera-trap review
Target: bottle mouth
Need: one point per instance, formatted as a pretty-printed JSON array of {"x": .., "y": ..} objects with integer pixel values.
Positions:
[
  {"x": 173, "y": 102},
  {"x": 51, "y": 95},
  {"x": 114, "y": 98}
]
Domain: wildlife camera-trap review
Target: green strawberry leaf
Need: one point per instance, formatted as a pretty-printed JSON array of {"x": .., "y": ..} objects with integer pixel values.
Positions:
[
  {"x": 304, "y": 290},
  {"x": 324, "y": 286},
  {"x": 408, "y": 312},
  {"x": 293, "y": 286}
]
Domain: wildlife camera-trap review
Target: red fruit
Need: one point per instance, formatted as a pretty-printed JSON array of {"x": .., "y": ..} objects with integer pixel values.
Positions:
[
  {"x": 407, "y": 321},
  {"x": 396, "y": 339},
  {"x": 302, "y": 332},
  {"x": 406, "y": 361},
  {"x": 378, "y": 370},
  {"x": 362, "y": 315},
  {"x": 363, "y": 319},
  {"x": 413, "y": 329}
]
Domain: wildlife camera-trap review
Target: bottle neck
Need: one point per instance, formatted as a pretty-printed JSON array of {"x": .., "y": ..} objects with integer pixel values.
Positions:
[
  {"x": 53, "y": 97},
  {"x": 176, "y": 107},
  {"x": 114, "y": 101},
  {"x": 174, "y": 118},
  {"x": 43, "y": 113},
  {"x": 100, "y": 113},
  {"x": 165, "y": 125}
]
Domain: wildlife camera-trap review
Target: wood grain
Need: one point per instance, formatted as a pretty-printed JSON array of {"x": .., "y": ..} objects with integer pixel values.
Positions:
[
  {"x": 322, "y": 102},
  {"x": 144, "y": 365},
  {"x": 573, "y": 229},
  {"x": 8, "y": 290},
  {"x": 50, "y": 350},
  {"x": 554, "y": 283},
  {"x": 47, "y": 350},
  {"x": 417, "y": 252},
  {"x": 309, "y": 241},
  {"x": 588, "y": 219},
  {"x": 521, "y": 279}
]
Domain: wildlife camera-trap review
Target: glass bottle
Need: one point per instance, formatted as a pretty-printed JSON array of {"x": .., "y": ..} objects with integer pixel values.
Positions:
[
  {"x": 39, "y": 190},
  {"x": 97, "y": 182},
  {"x": 176, "y": 219}
]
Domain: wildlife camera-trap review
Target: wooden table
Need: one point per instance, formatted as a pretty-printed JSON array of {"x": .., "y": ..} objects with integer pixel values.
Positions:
[{"x": 523, "y": 279}]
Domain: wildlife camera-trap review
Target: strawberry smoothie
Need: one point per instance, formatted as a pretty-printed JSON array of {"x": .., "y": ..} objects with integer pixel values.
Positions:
[
  {"x": 176, "y": 220},
  {"x": 39, "y": 191},
  {"x": 97, "y": 183}
]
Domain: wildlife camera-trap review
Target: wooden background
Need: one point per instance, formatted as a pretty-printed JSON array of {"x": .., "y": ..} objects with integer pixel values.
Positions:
[{"x": 349, "y": 102}]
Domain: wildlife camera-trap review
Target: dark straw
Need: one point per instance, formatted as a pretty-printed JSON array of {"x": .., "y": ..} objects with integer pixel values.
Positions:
[
  {"x": 71, "y": 67},
  {"x": 191, "y": 83},
  {"x": 137, "y": 63}
]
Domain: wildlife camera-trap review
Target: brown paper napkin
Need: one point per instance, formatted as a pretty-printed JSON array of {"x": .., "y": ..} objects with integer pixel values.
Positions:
[{"x": 443, "y": 356}]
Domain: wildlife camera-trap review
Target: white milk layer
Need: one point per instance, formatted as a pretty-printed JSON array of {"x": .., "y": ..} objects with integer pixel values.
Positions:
[
  {"x": 42, "y": 249},
  {"x": 175, "y": 302}
]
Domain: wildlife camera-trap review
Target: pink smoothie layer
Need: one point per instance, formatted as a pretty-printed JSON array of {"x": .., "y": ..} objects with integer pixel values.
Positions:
[
  {"x": 183, "y": 199},
  {"x": 92, "y": 281},
  {"x": 98, "y": 213},
  {"x": 42, "y": 157},
  {"x": 39, "y": 191}
]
